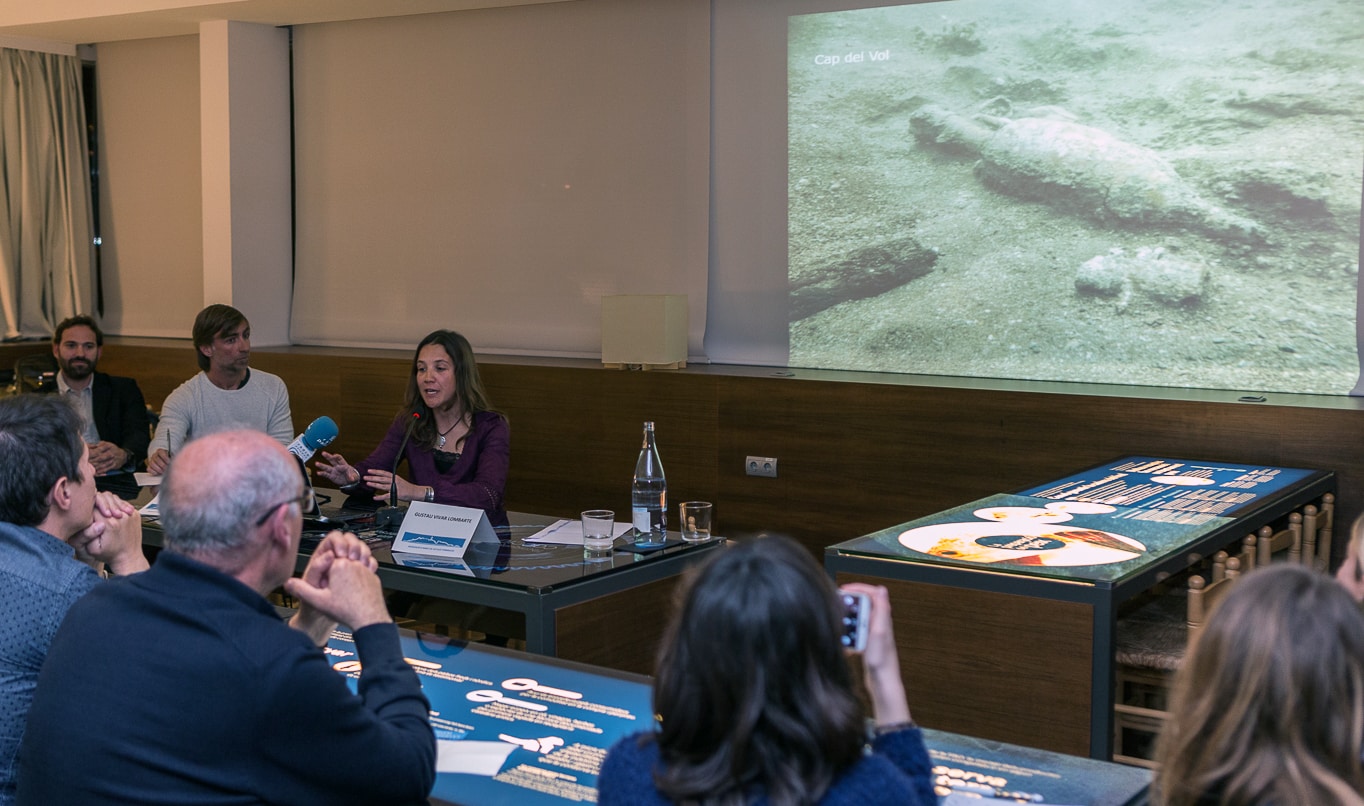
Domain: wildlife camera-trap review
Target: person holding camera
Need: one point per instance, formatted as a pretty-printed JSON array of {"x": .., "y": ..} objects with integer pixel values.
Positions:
[{"x": 757, "y": 700}]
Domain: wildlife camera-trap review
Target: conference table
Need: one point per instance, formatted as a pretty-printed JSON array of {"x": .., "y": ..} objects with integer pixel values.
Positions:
[
  {"x": 1005, "y": 608},
  {"x": 528, "y": 729},
  {"x": 608, "y": 610}
]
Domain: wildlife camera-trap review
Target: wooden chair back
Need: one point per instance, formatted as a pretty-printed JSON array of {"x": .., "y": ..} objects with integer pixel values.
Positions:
[
  {"x": 1270, "y": 541},
  {"x": 1317, "y": 523},
  {"x": 1151, "y": 643},
  {"x": 1204, "y": 596}
]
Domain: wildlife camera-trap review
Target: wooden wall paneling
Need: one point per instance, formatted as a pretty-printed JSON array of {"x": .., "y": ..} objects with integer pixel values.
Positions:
[
  {"x": 855, "y": 455},
  {"x": 748, "y": 504},
  {"x": 576, "y": 435},
  {"x": 369, "y": 395},
  {"x": 311, "y": 394},
  {"x": 858, "y": 457},
  {"x": 991, "y": 665},
  {"x": 849, "y": 455},
  {"x": 620, "y": 631},
  {"x": 158, "y": 367},
  {"x": 564, "y": 451},
  {"x": 13, "y": 351}
]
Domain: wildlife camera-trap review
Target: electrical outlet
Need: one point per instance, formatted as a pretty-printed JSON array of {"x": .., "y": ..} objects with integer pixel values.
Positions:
[{"x": 765, "y": 466}]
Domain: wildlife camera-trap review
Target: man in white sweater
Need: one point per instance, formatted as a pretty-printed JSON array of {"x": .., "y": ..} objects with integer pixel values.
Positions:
[{"x": 227, "y": 394}]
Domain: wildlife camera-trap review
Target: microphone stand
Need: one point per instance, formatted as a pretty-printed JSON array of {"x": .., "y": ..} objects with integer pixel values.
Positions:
[{"x": 392, "y": 515}]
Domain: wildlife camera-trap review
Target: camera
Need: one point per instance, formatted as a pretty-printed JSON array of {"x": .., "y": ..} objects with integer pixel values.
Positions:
[{"x": 855, "y": 616}]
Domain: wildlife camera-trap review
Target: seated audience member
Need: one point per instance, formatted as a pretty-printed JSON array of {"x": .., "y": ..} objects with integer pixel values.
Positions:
[
  {"x": 1268, "y": 706},
  {"x": 54, "y": 528},
  {"x": 1350, "y": 574},
  {"x": 117, "y": 427},
  {"x": 182, "y": 685},
  {"x": 460, "y": 448},
  {"x": 226, "y": 394},
  {"x": 756, "y": 697}
]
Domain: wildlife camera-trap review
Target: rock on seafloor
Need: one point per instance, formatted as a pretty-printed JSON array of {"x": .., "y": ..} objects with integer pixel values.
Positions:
[
  {"x": 865, "y": 272},
  {"x": 1152, "y": 271}
]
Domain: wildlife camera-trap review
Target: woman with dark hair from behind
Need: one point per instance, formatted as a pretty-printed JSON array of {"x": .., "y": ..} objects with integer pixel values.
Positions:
[
  {"x": 1268, "y": 705},
  {"x": 757, "y": 698},
  {"x": 460, "y": 449}
]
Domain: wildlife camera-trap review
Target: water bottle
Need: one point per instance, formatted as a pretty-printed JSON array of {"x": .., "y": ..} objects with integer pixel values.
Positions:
[{"x": 649, "y": 494}]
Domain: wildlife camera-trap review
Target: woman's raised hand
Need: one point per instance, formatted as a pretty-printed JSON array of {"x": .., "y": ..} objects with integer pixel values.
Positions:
[{"x": 334, "y": 468}]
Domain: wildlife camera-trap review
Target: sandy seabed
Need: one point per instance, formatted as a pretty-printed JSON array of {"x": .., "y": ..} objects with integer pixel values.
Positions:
[{"x": 1258, "y": 105}]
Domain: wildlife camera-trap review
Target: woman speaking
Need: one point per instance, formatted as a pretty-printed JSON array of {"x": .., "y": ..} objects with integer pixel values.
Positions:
[{"x": 459, "y": 448}]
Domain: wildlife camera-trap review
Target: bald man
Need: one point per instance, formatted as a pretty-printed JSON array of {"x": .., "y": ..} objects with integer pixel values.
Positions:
[{"x": 182, "y": 685}]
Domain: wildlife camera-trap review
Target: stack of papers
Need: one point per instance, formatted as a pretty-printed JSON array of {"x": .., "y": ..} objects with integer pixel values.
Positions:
[{"x": 570, "y": 533}]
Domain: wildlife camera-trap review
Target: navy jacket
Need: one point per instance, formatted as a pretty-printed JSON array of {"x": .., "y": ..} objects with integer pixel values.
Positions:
[
  {"x": 121, "y": 414},
  {"x": 182, "y": 686}
]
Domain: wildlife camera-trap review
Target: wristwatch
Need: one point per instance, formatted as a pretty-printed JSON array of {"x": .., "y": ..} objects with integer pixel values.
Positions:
[{"x": 430, "y": 495}]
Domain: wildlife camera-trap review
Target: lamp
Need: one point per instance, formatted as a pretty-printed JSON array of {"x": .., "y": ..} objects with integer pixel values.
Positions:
[{"x": 644, "y": 330}]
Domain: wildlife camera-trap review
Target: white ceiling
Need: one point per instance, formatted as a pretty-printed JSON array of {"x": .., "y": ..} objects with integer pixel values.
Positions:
[{"x": 78, "y": 22}]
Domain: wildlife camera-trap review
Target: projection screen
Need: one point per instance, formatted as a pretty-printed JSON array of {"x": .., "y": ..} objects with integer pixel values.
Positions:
[{"x": 1125, "y": 192}]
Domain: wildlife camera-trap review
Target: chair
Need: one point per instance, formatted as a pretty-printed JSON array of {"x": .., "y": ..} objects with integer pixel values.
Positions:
[
  {"x": 1317, "y": 523},
  {"x": 1306, "y": 536},
  {"x": 1204, "y": 596},
  {"x": 1150, "y": 644},
  {"x": 1270, "y": 542},
  {"x": 1250, "y": 549},
  {"x": 35, "y": 373}
]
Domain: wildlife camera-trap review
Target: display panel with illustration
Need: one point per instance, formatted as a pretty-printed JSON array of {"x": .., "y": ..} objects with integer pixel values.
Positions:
[{"x": 1098, "y": 525}]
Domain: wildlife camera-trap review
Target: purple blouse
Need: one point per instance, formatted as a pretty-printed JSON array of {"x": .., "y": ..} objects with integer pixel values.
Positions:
[{"x": 477, "y": 479}]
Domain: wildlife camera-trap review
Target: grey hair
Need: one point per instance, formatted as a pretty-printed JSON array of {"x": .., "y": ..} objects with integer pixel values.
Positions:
[{"x": 213, "y": 509}]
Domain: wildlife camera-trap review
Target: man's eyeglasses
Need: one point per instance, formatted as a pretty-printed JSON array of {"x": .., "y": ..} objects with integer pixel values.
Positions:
[{"x": 307, "y": 502}]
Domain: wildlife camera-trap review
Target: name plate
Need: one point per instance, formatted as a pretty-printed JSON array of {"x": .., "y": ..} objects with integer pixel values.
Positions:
[{"x": 442, "y": 530}]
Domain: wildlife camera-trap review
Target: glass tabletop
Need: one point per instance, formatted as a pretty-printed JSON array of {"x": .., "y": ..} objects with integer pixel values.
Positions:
[{"x": 511, "y": 561}]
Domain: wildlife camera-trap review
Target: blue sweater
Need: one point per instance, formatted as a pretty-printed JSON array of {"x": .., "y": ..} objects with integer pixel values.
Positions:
[
  {"x": 897, "y": 771},
  {"x": 40, "y": 578}
]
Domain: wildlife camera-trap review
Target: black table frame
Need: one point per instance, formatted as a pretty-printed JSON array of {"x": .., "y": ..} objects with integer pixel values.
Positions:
[
  {"x": 538, "y": 604},
  {"x": 1103, "y": 597}
]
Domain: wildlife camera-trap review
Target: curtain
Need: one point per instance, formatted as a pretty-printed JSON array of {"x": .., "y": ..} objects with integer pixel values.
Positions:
[{"x": 46, "y": 253}]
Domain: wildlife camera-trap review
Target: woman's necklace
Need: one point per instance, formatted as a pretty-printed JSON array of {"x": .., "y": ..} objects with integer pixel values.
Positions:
[{"x": 440, "y": 443}]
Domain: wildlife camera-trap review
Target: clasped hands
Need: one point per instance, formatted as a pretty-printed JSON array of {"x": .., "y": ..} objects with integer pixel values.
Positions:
[
  {"x": 339, "y": 585},
  {"x": 107, "y": 457},
  {"x": 114, "y": 537}
]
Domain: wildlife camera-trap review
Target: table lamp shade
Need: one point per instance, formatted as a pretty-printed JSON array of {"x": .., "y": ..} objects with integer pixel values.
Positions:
[{"x": 644, "y": 329}]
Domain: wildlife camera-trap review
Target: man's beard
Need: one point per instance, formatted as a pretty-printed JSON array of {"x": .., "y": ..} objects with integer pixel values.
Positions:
[{"x": 78, "y": 369}]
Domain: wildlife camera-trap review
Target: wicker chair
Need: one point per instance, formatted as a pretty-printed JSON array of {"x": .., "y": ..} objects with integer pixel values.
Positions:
[{"x": 1151, "y": 643}]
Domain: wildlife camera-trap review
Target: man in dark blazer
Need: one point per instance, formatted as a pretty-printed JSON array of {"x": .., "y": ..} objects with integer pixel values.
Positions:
[{"x": 117, "y": 427}]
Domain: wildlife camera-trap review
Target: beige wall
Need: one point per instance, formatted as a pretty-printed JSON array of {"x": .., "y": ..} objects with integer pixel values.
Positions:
[
  {"x": 497, "y": 171},
  {"x": 247, "y": 176},
  {"x": 150, "y": 186}
]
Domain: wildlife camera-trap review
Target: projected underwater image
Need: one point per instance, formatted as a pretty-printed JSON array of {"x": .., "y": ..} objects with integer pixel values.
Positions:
[{"x": 1155, "y": 193}]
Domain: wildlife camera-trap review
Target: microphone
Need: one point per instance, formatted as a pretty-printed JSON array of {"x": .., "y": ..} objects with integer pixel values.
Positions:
[
  {"x": 392, "y": 515},
  {"x": 319, "y": 434}
]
